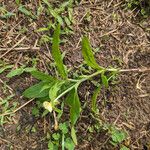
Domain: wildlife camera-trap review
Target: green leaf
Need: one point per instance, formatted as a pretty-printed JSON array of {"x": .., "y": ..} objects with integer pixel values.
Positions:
[
  {"x": 88, "y": 54},
  {"x": 42, "y": 29},
  {"x": 35, "y": 111},
  {"x": 63, "y": 127},
  {"x": 69, "y": 145},
  {"x": 30, "y": 69},
  {"x": 56, "y": 136},
  {"x": 17, "y": 2},
  {"x": 67, "y": 21},
  {"x": 54, "y": 90},
  {"x": 42, "y": 76},
  {"x": 47, "y": 3},
  {"x": 5, "y": 68},
  {"x": 57, "y": 54},
  {"x": 7, "y": 15},
  {"x": 35, "y": 91},
  {"x": 15, "y": 72},
  {"x": 124, "y": 148},
  {"x": 26, "y": 12},
  {"x": 117, "y": 135},
  {"x": 94, "y": 99},
  {"x": 73, "y": 135},
  {"x": 104, "y": 80},
  {"x": 75, "y": 107},
  {"x": 51, "y": 146}
]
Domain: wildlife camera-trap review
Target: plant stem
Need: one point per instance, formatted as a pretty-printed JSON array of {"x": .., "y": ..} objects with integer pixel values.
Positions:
[
  {"x": 87, "y": 77},
  {"x": 66, "y": 91},
  {"x": 77, "y": 83}
]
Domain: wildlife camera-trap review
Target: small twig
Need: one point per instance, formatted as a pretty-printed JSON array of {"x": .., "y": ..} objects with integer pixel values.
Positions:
[
  {"x": 4, "y": 140},
  {"x": 144, "y": 95},
  {"x": 18, "y": 60},
  {"x": 20, "y": 49},
  {"x": 7, "y": 86},
  {"x": 56, "y": 122},
  {"x": 129, "y": 70},
  {"x": 116, "y": 119},
  {"x": 5, "y": 114},
  {"x": 135, "y": 70},
  {"x": 13, "y": 47}
]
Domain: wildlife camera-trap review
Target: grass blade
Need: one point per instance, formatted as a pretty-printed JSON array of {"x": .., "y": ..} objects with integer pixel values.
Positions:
[
  {"x": 88, "y": 54},
  {"x": 57, "y": 54}
]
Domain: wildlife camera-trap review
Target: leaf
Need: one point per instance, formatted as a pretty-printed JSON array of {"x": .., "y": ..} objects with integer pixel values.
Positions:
[
  {"x": 35, "y": 111},
  {"x": 51, "y": 146},
  {"x": 42, "y": 29},
  {"x": 69, "y": 145},
  {"x": 5, "y": 68},
  {"x": 26, "y": 12},
  {"x": 42, "y": 76},
  {"x": 94, "y": 99},
  {"x": 104, "y": 80},
  {"x": 54, "y": 90},
  {"x": 35, "y": 91},
  {"x": 15, "y": 72},
  {"x": 57, "y": 54},
  {"x": 17, "y": 2},
  {"x": 47, "y": 3},
  {"x": 7, "y": 15},
  {"x": 117, "y": 135},
  {"x": 73, "y": 135},
  {"x": 67, "y": 21},
  {"x": 124, "y": 148},
  {"x": 30, "y": 69},
  {"x": 88, "y": 54},
  {"x": 75, "y": 107},
  {"x": 56, "y": 136},
  {"x": 63, "y": 127}
]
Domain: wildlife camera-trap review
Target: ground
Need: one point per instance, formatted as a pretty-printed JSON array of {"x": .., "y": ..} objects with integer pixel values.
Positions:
[{"x": 123, "y": 40}]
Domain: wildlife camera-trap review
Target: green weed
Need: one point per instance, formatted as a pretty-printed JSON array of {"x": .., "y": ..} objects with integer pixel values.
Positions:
[
  {"x": 6, "y": 106},
  {"x": 50, "y": 90},
  {"x": 61, "y": 138}
]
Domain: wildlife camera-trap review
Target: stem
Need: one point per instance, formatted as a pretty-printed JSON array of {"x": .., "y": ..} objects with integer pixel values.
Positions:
[
  {"x": 87, "y": 77},
  {"x": 77, "y": 83},
  {"x": 66, "y": 91},
  {"x": 91, "y": 76}
]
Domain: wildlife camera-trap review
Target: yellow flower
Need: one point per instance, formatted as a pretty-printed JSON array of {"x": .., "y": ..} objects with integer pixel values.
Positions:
[{"x": 48, "y": 106}]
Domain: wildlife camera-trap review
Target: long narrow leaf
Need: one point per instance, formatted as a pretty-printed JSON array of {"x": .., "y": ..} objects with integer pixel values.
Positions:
[
  {"x": 42, "y": 76},
  {"x": 94, "y": 99},
  {"x": 73, "y": 135},
  {"x": 15, "y": 72},
  {"x": 75, "y": 107},
  {"x": 57, "y": 54},
  {"x": 88, "y": 54},
  {"x": 5, "y": 68}
]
